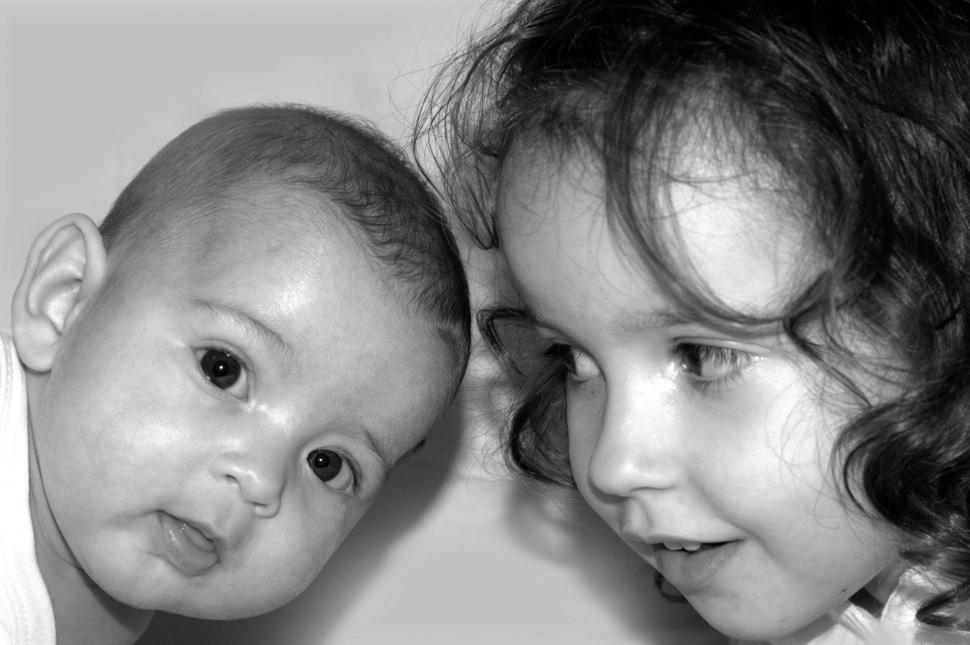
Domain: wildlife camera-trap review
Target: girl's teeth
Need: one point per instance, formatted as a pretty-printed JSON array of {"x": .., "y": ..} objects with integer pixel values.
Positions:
[{"x": 683, "y": 546}]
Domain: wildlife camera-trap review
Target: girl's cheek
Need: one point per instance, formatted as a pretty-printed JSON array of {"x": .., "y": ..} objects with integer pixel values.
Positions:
[{"x": 584, "y": 420}]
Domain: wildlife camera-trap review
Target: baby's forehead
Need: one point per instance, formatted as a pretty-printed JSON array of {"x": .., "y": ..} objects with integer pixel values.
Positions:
[
  {"x": 281, "y": 207},
  {"x": 260, "y": 217},
  {"x": 247, "y": 233},
  {"x": 270, "y": 241},
  {"x": 263, "y": 233}
]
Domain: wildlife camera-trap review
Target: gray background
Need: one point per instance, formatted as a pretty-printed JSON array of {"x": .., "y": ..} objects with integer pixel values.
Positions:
[{"x": 454, "y": 551}]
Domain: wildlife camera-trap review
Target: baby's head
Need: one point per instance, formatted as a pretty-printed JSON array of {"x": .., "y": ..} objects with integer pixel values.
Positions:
[
  {"x": 272, "y": 315},
  {"x": 741, "y": 230}
]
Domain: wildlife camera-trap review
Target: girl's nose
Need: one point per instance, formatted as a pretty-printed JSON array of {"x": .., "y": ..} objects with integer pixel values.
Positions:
[
  {"x": 258, "y": 473},
  {"x": 637, "y": 447}
]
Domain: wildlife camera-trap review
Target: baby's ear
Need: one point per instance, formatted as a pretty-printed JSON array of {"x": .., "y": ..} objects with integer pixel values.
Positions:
[{"x": 66, "y": 266}]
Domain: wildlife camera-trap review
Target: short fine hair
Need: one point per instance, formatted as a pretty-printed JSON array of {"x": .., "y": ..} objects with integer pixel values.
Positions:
[{"x": 318, "y": 153}]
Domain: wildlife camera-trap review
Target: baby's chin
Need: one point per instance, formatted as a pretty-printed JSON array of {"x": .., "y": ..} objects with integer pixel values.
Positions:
[
  {"x": 208, "y": 602},
  {"x": 213, "y": 608},
  {"x": 226, "y": 612}
]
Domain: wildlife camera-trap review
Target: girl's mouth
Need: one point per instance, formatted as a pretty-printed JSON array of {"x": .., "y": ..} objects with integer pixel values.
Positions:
[
  {"x": 689, "y": 547},
  {"x": 692, "y": 566}
]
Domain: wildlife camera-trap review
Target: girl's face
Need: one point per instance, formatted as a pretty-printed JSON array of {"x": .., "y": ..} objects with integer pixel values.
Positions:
[{"x": 706, "y": 451}]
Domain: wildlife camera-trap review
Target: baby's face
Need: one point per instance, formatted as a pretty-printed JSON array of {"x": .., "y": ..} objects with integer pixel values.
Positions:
[{"x": 214, "y": 427}]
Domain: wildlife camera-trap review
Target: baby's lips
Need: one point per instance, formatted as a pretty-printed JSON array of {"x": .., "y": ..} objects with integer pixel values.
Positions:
[
  {"x": 186, "y": 548},
  {"x": 197, "y": 537}
]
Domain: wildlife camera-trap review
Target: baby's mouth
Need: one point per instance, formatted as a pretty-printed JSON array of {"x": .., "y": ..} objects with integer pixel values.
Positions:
[
  {"x": 197, "y": 537},
  {"x": 186, "y": 547}
]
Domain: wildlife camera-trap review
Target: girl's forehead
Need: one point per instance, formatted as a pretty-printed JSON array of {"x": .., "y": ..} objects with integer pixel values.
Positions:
[{"x": 733, "y": 232}]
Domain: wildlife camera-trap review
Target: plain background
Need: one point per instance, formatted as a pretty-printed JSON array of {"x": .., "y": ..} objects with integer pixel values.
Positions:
[{"x": 454, "y": 551}]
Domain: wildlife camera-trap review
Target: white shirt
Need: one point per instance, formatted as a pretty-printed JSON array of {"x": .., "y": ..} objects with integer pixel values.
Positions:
[
  {"x": 850, "y": 624},
  {"x": 26, "y": 615}
]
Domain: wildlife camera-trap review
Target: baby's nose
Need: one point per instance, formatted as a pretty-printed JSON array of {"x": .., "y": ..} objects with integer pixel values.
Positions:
[{"x": 259, "y": 478}]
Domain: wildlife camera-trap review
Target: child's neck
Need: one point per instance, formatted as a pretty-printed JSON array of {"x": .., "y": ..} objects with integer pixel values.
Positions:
[
  {"x": 83, "y": 613},
  {"x": 874, "y": 595}
]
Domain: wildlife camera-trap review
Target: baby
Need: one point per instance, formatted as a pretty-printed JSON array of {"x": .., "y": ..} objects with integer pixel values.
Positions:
[{"x": 202, "y": 398}]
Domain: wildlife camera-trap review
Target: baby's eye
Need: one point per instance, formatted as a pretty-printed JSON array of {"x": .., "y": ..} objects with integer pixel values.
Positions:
[
  {"x": 332, "y": 468},
  {"x": 710, "y": 365},
  {"x": 221, "y": 368},
  {"x": 579, "y": 364}
]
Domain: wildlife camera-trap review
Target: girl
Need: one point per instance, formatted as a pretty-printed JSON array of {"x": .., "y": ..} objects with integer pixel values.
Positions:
[{"x": 740, "y": 233}]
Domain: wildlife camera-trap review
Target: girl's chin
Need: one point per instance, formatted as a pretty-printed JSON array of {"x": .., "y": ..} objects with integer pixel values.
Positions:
[{"x": 753, "y": 626}]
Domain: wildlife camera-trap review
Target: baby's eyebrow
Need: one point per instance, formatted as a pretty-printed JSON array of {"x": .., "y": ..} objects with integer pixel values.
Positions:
[
  {"x": 248, "y": 321},
  {"x": 413, "y": 450},
  {"x": 377, "y": 447},
  {"x": 384, "y": 452}
]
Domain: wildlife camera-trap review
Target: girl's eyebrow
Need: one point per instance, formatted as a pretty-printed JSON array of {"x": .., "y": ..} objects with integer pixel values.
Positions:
[{"x": 632, "y": 322}]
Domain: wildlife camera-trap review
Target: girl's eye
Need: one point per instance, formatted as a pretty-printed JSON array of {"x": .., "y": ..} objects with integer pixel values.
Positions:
[
  {"x": 221, "y": 368},
  {"x": 332, "y": 468},
  {"x": 579, "y": 364},
  {"x": 709, "y": 365}
]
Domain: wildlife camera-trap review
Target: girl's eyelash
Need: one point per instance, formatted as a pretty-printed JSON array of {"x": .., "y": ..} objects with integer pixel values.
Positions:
[
  {"x": 564, "y": 355},
  {"x": 559, "y": 353},
  {"x": 707, "y": 366},
  {"x": 711, "y": 366}
]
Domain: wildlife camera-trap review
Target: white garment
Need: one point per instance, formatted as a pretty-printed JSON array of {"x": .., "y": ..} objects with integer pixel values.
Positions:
[
  {"x": 897, "y": 624},
  {"x": 26, "y": 615}
]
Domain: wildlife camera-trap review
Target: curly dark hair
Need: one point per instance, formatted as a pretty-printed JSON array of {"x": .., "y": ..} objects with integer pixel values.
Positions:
[{"x": 863, "y": 107}]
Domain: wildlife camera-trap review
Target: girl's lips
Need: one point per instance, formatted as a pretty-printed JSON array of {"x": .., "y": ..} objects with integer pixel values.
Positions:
[
  {"x": 185, "y": 547},
  {"x": 690, "y": 571}
]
